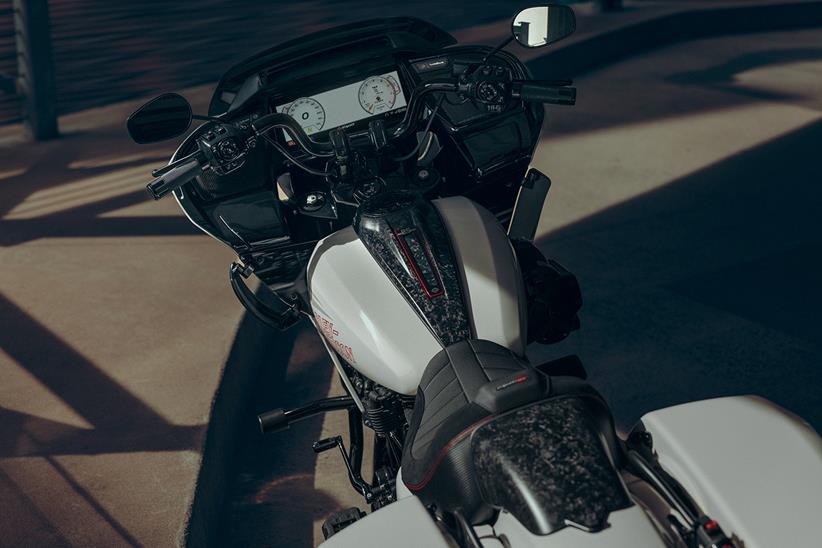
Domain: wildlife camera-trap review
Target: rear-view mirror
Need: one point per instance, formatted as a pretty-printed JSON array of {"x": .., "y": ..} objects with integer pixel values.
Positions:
[
  {"x": 162, "y": 118},
  {"x": 539, "y": 26}
]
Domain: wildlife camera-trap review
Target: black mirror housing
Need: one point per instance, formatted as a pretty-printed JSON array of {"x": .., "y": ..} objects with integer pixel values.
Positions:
[{"x": 164, "y": 117}]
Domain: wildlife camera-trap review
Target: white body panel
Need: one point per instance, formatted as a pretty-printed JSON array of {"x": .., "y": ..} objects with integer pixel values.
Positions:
[
  {"x": 628, "y": 528},
  {"x": 490, "y": 273},
  {"x": 363, "y": 315},
  {"x": 405, "y": 523},
  {"x": 373, "y": 327},
  {"x": 748, "y": 464}
]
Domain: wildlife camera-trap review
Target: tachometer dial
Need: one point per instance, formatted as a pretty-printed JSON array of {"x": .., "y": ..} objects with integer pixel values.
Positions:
[
  {"x": 309, "y": 113},
  {"x": 378, "y": 94}
]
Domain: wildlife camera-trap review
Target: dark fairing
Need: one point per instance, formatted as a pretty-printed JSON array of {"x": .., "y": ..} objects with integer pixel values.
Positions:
[
  {"x": 483, "y": 156},
  {"x": 547, "y": 465},
  {"x": 398, "y": 34}
]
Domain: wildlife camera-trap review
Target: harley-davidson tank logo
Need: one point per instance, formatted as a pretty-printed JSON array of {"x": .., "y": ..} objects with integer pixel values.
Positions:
[{"x": 331, "y": 334}]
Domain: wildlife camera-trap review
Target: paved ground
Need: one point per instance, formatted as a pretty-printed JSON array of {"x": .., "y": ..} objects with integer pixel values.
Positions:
[
  {"x": 686, "y": 198},
  {"x": 116, "y": 322}
]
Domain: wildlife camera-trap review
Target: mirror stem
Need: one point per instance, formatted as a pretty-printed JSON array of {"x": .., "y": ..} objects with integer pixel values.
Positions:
[
  {"x": 207, "y": 118},
  {"x": 497, "y": 49}
]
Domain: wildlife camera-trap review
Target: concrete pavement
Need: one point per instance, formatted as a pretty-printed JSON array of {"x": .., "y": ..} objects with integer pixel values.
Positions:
[
  {"x": 116, "y": 324},
  {"x": 686, "y": 197}
]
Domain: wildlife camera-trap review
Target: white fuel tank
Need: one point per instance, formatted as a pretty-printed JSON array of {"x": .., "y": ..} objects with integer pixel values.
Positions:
[{"x": 380, "y": 326}]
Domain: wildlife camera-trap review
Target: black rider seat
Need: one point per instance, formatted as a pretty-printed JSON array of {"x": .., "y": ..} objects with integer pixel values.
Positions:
[{"x": 466, "y": 386}]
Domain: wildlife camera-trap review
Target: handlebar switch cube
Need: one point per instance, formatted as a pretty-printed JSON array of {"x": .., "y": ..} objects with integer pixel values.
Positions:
[{"x": 376, "y": 131}]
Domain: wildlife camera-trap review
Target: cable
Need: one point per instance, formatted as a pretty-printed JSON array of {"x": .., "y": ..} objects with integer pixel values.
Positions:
[
  {"x": 425, "y": 132},
  {"x": 293, "y": 160}
]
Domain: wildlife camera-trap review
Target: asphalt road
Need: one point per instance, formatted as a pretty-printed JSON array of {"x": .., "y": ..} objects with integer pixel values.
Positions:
[{"x": 686, "y": 199}]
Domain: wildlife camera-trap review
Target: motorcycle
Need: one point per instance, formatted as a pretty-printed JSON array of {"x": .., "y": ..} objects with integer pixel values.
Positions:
[{"x": 375, "y": 178}]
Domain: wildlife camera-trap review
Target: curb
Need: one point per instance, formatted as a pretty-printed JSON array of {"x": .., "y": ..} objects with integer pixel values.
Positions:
[{"x": 255, "y": 345}]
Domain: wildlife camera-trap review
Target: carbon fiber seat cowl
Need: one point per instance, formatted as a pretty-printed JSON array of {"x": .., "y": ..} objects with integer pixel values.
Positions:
[{"x": 488, "y": 431}]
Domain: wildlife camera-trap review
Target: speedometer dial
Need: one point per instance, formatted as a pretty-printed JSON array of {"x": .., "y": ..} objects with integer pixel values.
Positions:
[
  {"x": 309, "y": 113},
  {"x": 378, "y": 94}
]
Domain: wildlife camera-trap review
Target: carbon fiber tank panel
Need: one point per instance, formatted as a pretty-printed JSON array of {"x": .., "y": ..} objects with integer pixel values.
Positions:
[{"x": 408, "y": 239}]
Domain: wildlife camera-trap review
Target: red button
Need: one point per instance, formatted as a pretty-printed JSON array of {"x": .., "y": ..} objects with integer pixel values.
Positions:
[{"x": 711, "y": 525}]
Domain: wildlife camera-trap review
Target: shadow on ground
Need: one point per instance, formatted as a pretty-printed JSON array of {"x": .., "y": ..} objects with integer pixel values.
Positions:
[
  {"x": 708, "y": 286},
  {"x": 272, "y": 499}
]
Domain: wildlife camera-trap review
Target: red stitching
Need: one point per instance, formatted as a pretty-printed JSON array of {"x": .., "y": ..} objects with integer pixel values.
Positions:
[
  {"x": 414, "y": 268},
  {"x": 454, "y": 441}
]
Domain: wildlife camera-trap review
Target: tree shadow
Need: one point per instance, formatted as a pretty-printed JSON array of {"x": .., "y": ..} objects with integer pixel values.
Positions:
[
  {"x": 82, "y": 220},
  {"x": 616, "y": 99},
  {"x": 122, "y": 422},
  {"x": 722, "y": 76}
]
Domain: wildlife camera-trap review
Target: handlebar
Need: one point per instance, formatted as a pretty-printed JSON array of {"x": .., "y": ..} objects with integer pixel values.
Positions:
[
  {"x": 407, "y": 126},
  {"x": 556, "y": 92},
  {"x": 321, "y": 149},
  {"x": 279, "y": 119}
]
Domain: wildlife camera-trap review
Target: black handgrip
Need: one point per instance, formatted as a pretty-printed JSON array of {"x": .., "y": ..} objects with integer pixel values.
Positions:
[
  {"x": 174, "y": 179},
  {"x": 280, "y": 419},
  {"x": 273, "y": 421},
  {"x": 543, "y": 92}
]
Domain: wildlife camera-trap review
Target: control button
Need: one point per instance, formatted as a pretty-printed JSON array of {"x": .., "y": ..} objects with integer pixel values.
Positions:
[
  {"x": 209, "y": 136},
  {"x": 228, "y": 149},
  {"x": 488, "y": 92},
  {"x": 220, "y": 130},
  {"x": 314, "y": 202}
]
